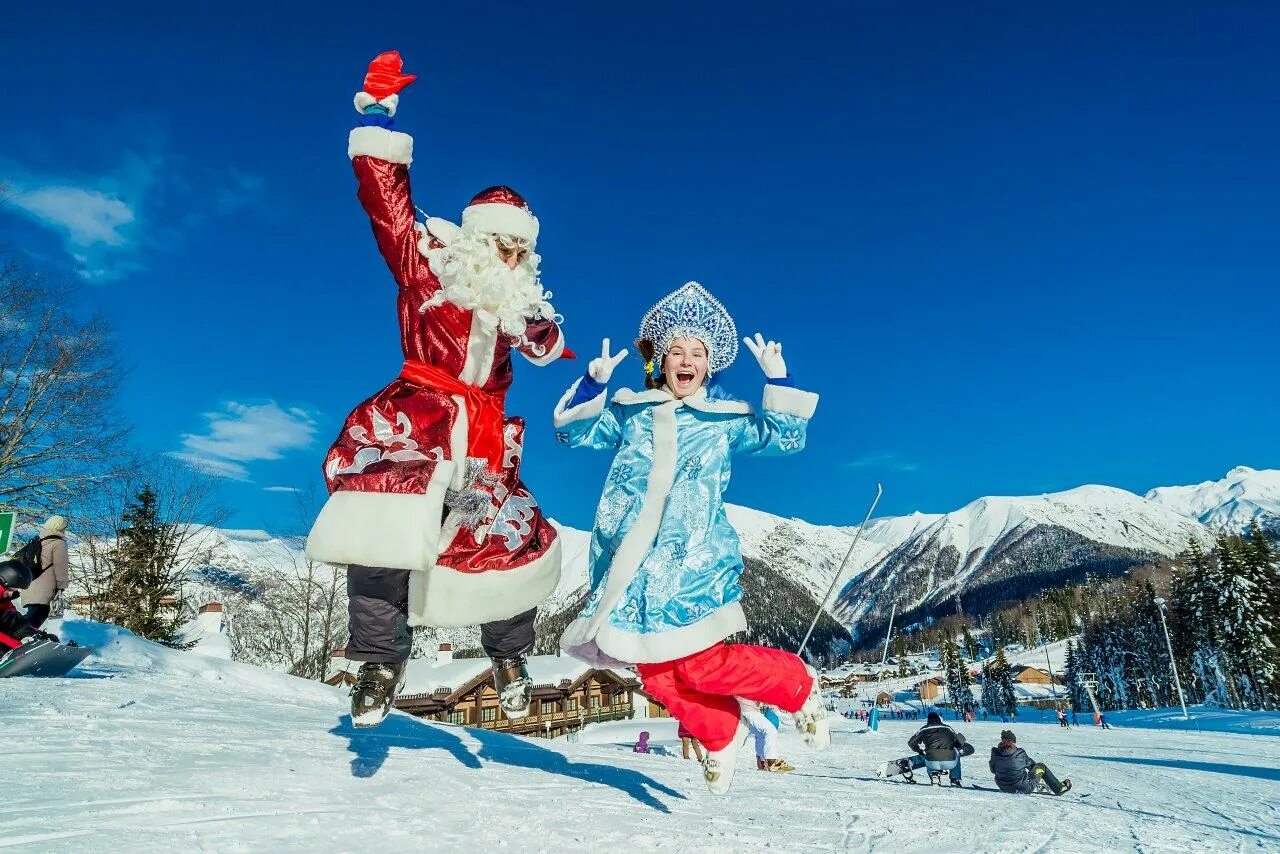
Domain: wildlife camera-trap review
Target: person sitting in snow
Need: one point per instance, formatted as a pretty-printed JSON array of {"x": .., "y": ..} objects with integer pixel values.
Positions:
[
  {"x": 642, "y": 743},
  {"x": 665, "y": 562},
  {"x": 1017, "y": 772},
  {"x": 426, "y": 508},
  {"x": 938, "y": 747},
  {"x": 14, "y": 628}
]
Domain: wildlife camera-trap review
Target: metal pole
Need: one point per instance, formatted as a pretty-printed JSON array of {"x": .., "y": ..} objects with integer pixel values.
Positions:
[
  {"x": 1172, "y": 664},
  {"x": 1053, "y": 688},
  {"x": 884, "y": 656},
  {"x": 823, "y": 604}
]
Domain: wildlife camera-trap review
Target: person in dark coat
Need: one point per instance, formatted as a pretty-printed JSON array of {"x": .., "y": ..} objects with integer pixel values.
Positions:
[
  {"x": 940, "y": 747},
  {"x": 14, "y": 628},
  {"x": 1017, "y": 772}
]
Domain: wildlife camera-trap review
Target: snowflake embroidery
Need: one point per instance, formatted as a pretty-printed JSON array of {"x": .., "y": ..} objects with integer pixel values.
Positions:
[
  {"x": 562, "y": 437},
  {"x": 621, "y": 474},
  {"x": 790, "y": 440},
  {"x": 610, "y": 513},
  {"x": 692, "y": 469}
]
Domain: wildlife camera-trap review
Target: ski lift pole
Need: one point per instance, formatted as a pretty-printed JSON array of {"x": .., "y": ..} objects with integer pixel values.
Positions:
[{"x": 857, "y": 536}]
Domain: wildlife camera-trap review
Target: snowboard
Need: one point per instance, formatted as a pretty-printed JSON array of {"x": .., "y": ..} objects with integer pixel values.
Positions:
[
  {"x": 42, "y": 658},
  {"x": 904, "y": 767}
]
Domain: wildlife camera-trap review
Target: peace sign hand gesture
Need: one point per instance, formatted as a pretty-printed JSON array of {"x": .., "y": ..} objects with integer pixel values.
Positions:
[
  {"x": 769, "y": 355},
  {"x": 601, "y": 368}
]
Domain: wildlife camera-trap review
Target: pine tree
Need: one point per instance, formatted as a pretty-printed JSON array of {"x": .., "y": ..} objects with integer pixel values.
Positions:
[
  {"x": 957, "y": 678},
  {"x": 1006, "y": 701},
  {"x": 143, "y": 593},
  {"x": 1244, "y": 607},
  {"x": 970, "y": 648},
  {"x": 1071, "y": 676}
]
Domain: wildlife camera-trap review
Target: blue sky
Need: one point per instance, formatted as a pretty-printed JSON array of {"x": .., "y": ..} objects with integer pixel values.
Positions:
[{"x": 1015, "y": 249}]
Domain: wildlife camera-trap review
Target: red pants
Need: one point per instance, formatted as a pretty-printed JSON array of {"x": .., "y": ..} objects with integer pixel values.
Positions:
[{"x": 699, "y": 690}]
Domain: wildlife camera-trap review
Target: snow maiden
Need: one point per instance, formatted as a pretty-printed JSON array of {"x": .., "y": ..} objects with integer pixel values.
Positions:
[{"x": 665, "y": 562}]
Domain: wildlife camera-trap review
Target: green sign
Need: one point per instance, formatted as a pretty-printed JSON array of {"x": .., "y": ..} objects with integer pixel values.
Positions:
[{"x": 6, "y": 531}]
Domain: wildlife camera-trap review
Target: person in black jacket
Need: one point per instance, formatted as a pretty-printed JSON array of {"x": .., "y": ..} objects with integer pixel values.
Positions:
[
  {"x": 1017, "y": 772},
  {"x": 940, "y": 747}
]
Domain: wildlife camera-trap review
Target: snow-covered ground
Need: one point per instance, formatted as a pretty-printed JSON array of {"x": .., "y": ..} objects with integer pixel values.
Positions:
[{"x": 145, "y": 749}]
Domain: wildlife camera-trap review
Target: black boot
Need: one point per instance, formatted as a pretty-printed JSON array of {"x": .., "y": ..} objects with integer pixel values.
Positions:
[
  {"x": 515, "y": 688},
  {"x": 377, "y": 684}
]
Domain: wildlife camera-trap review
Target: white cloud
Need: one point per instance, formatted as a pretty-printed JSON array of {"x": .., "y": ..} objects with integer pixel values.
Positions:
[
  {"x": 214, "y": 467},
  {"x": 280, "y": 489},
  {"x": 88, "y": 217},
  {"x": 883, "y": 461},
  {"x": 245, "y": 433}
]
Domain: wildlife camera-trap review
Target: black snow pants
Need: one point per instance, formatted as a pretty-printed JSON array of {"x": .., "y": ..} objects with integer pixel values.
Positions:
[
  {"x": 37, "y": 614},
  {"x": 378, "y": 608},
  {"x": 1027, "y": 786}
]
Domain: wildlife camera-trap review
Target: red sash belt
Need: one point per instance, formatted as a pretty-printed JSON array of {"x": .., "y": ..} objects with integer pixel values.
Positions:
[{"x": 484, "y": 409}]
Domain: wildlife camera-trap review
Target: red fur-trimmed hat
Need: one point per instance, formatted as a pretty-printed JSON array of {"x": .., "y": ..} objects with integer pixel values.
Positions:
[{"x": 501, "y": 210}]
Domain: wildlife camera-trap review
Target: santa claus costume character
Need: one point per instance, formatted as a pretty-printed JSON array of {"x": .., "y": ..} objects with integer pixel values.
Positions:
[
  {"x": 664, "y": 559},
  {"x": 426, "y": 506}
]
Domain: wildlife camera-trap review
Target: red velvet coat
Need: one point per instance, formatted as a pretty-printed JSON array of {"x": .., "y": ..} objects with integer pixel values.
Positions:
[{"x": 403, "y": 492}]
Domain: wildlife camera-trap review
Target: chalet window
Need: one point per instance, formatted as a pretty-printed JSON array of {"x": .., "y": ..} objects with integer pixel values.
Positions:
[
  {"x": 594, "y": 702},
  {"x": 459, "y": 717},
  {"x": 571, "y": 705},
  {"x": 488, "y": 713},
  {"x": 548, "y": 707}
]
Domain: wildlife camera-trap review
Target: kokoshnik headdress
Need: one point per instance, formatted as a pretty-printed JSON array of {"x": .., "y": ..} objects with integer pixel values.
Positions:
[{"x": 692, "y": 312}]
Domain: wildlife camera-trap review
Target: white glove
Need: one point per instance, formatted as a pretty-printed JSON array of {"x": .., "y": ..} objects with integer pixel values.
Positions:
[
  {"x": 769, "y": 355},
  {"x": 602, "y": 368}
]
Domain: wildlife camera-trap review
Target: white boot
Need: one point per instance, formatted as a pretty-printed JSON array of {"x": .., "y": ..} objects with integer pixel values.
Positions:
[
  {"x": 812, "y": 721},
  {"x": 719, "y": 765}
]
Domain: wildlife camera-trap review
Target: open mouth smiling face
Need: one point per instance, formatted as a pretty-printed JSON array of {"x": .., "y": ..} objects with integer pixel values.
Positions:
[{"x": 685, "y": 366}]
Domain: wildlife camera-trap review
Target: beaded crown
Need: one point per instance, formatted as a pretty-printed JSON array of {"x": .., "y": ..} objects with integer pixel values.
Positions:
[{"x": 692, "y": 312}]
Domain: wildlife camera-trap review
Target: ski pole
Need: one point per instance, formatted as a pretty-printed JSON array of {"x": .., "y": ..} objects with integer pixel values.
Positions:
[{"x": 857, "y": 536}]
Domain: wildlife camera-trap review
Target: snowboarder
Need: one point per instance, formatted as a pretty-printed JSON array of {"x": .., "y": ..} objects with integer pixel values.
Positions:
[
  {"x": 1017, "y": 772},
  {"x": 14, "y": 628},
  {"x": 765, "y": 730},
  {"x": 938, "y": 747},
  {"x": 426, "y": 506},
  {"x": 665, "y": 561}
]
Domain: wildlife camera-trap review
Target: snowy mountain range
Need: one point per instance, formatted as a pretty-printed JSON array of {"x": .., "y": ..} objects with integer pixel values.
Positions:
[{"x": 992, "y": 549}]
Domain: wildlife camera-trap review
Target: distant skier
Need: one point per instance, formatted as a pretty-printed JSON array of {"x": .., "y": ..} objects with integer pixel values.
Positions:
[
  {"x": 688, "y": 742},
  {"x": 642, "y": 743},
  {"x": 1102, "y": 721},
  {"x": 1074, "y": 720},
  {"x": 765, "y": 730},
  {"x": 1016, "y": 772},
  {"x": 1062, "y": 718},
  {"x": 666, "y": 563},
  {"x": 940, "y": 748}
]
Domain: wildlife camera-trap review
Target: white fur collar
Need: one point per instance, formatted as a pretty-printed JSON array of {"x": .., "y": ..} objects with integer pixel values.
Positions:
[{"x": 698, "y": 400}]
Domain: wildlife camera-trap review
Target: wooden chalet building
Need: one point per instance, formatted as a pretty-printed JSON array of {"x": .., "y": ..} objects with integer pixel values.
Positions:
[{"x": 567, "y": 694}]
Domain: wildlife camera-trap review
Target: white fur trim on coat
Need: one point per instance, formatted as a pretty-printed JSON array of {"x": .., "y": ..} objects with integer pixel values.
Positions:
[
  {"x": 613, "y": 647},
  {"x": 500, "y": 218},
  {"x": 698, "y": 400},
  {"x": 446, "y": 598},
  {"x": 389, "y": 145},
  {"x": 384, "y": 529},
  {"x": 555, "y": 352},
  {"x": 443, "y": 230},
  {"x": 587, "y": 409},
  {"x": 790, "y": 401},
  {"x": 364, "y": 99}
]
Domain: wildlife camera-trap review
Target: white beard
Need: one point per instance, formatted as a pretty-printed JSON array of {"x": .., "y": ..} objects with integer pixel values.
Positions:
[{"x": 473, "y": 277}]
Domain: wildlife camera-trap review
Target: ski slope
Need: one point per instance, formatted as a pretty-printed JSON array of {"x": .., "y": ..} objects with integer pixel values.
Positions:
[{"x": 146, "y": 749}]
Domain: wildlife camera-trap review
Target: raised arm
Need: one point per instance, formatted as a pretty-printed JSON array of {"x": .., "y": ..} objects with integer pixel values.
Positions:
[
  {"x": 581, "y": 418},
  {"x": 380, "y": 156},
  {"x": 783, "y": 424},
  {"x": 542, "y": 342}
]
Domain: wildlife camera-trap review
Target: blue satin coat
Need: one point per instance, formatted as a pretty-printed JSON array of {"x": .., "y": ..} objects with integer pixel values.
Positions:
[{"x": 689, "y": 572}]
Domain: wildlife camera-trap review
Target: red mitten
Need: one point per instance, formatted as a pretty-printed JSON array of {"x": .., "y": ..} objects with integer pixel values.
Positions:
[{"x": 384, "y": 77}]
